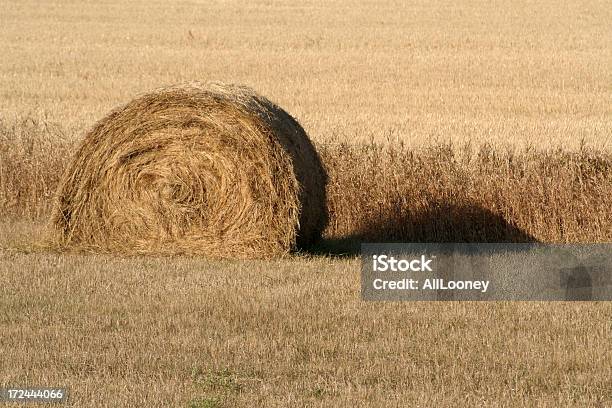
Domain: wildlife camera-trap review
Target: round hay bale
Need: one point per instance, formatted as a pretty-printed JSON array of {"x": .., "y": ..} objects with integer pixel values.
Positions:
[{"x": 201, "y": 169}]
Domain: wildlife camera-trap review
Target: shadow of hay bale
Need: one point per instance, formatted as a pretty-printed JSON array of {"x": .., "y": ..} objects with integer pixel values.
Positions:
[{"x": 441, "y": 223}]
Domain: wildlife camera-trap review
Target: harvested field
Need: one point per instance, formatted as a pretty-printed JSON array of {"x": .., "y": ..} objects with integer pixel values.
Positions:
[{"x": 435, "y": 121}]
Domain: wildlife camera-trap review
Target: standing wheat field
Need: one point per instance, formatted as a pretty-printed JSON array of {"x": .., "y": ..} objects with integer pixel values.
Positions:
[{"x": 433, "y": 121}]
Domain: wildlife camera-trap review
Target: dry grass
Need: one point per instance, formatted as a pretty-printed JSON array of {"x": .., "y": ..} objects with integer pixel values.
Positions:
[
  {"x": 200, "y": 169},
  {"x": 528, "y": 73},
  {"x": 165, "y": 332},
  {"x": 442, "y": 193},
  {"x": 463, "y": 193},
  {"x": 436, "y": 120},
  {"x": 33, "y": 156}
]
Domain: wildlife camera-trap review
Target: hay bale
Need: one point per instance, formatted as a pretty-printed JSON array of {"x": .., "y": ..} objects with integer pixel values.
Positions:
[{"x": 202, "y": 169}]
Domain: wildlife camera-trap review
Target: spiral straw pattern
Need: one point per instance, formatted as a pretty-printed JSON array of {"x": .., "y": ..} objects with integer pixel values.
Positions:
[{"x": 200, "y": 169}]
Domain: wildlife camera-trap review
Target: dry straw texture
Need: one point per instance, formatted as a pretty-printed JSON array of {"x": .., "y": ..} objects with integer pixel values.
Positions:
[
  {"x": 208, "y": 169},
  {"x": 466, "y": 193},
  {"x": 439, "y": 193}
]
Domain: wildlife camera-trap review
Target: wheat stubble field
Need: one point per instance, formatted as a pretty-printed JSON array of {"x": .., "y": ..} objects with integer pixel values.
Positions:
[{"x": 436, "y": 121}]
